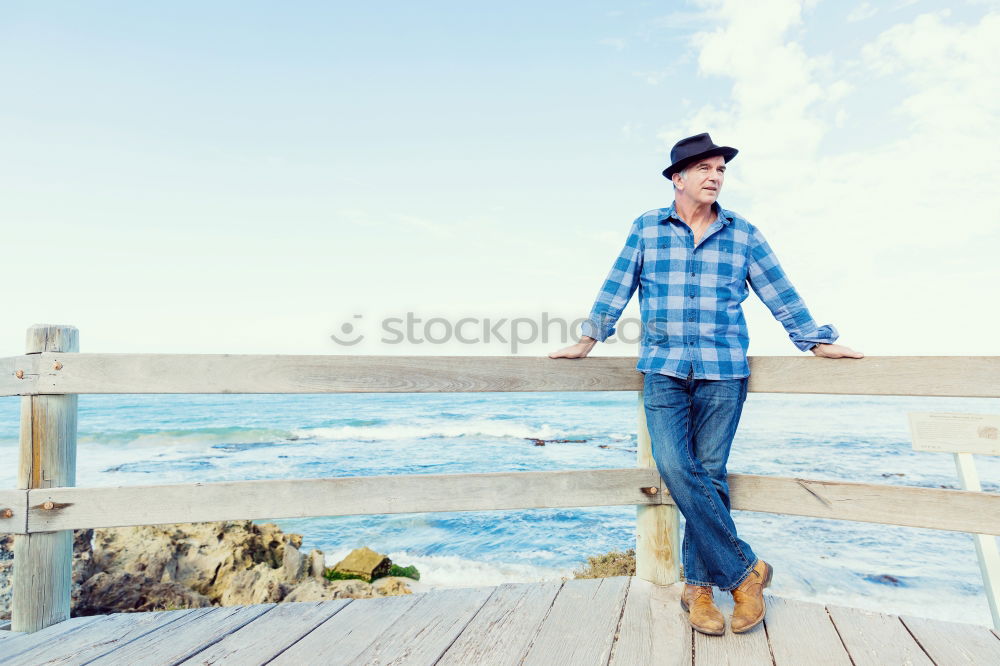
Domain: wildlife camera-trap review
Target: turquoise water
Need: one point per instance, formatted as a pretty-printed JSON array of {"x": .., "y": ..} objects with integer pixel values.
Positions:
[{"x": 141, "y": 440}]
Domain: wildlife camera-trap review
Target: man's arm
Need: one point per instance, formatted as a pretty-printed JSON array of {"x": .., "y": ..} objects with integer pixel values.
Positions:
[
  {"x": 618, "y": 287},
  {"x": 773, "y": 287}
]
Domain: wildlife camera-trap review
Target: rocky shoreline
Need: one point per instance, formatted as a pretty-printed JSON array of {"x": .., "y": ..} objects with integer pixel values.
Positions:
[{"x": 192, "y": 565}]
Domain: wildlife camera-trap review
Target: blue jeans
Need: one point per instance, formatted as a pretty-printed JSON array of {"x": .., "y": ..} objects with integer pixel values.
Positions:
[{"x": 691, "y": 425}]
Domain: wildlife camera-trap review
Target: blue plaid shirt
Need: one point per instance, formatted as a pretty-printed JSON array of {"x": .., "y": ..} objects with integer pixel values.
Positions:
[{"x": 690, "y": 296}]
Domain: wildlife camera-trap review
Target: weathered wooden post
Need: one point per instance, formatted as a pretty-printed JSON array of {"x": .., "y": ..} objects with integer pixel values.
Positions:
[
  {"x": 657, "y": 541},
  {"x": 43, "y": 561}
]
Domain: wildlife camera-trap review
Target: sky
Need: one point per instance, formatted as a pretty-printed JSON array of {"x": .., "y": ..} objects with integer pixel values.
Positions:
[{"x": 254, "y": 177}]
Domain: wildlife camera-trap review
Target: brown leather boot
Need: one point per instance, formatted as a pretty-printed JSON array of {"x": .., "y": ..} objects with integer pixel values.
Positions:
[
  {"x": 749, "y": 598},
  {"x": 703, "y": 614}
]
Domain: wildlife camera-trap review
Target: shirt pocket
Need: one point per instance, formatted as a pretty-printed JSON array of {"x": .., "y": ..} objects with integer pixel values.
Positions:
[
  {"x": 728, "y": 276},
  {"x": 656, "y": 257},
  {"x": 731, "y": 269}
]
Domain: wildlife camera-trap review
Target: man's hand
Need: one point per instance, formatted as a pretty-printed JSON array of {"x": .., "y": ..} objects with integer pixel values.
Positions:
[
  {"x": 835, "y": 351},
  {"x": 579, "y": 350}
]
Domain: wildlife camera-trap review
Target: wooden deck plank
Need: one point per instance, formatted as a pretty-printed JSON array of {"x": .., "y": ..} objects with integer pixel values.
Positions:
[
  {"x": 426, "y": 630},
  {"x": 802, "y": 633},
  {"x": 181, "y": 639},
  {"x": 876, "y": 639},
  {"x": 654, "y": 628},
  {"x": 27, "y": 641},
  {"x": 348, "y": 633},
  {"x": 501, "y": 631},
  {"x": 617, "y": 621},
  {"x": 6, "y": 633},
  {"x": 580, "y": 627},
  {"x": 954, "y": 643},
  {"x": 267, "y": 636},
  {"x": 746, "y": 649},
  {"x": 99, "y": 638}
]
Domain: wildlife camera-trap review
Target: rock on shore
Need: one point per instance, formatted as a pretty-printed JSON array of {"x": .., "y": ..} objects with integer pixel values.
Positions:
[
  {"x": 6, "y": 569},
  {"x": 191, "y": 565}
]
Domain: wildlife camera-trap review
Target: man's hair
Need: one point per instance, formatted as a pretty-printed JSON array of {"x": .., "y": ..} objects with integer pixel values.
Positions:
[{"x": 683, "y": 174}]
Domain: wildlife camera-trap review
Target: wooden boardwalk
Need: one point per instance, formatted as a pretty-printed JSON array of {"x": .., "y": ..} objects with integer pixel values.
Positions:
[{"x": 607, "y": 621}]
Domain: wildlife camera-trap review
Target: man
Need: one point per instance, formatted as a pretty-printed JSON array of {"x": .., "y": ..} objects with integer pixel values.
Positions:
[{"x": 691, "y": 263}]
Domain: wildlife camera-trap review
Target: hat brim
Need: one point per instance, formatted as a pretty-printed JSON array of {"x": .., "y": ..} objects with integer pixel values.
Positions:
[{"x": 727, "y": 152}]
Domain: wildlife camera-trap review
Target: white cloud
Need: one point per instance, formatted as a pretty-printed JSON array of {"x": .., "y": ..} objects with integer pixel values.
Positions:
[
  {"x": 433, "y": 228},
  {"x": 655, "y": 78},
  {"x": 862, "y": 12},
  {"x": 952, "y": 70},
  {"x": 679, "y": 20},
  {"x": 629, "y": 129},
  {"x": 897, "y": 238},
  {"x": 773, "y": 79}
]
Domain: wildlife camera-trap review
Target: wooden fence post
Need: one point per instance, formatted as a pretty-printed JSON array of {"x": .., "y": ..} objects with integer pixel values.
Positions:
[
  {"x": 43, "y": 561},
  {"x": 657, "y": 540}
]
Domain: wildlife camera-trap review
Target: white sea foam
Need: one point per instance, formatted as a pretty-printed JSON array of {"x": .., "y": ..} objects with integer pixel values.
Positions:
[
  {"x": 441, "y": 571},
  {"x": 942, "y": 603},
  {"x": 425, "y": 429},
  {"x": 195, "y": 437}
]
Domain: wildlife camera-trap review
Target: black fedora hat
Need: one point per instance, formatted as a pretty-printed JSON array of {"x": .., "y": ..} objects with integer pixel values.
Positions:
[{"x": 695, "y": 148}]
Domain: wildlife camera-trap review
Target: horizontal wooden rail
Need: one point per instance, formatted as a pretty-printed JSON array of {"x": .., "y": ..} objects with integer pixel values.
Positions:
[
  {"x": 297, "y": 498},
  {"x": 56, "y": 373},
  {"x": 13, "y": 511},
  {"x": 69, "y": 508}
]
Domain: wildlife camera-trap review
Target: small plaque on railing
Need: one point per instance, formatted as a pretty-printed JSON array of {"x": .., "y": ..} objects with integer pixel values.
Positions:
[{"x": 955, "y": 433}]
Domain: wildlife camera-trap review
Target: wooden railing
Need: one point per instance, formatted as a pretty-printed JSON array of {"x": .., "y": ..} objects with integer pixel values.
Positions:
[{"x": 46, "y": 507}]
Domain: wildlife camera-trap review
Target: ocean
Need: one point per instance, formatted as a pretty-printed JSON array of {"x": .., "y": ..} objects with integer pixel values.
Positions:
[{"x": 153, "y": 439}]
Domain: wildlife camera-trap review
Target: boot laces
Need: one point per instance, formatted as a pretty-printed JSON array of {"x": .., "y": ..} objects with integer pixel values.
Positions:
[
  {"x": 701, "y": 591},
  {"x": 754, "y": 579}
]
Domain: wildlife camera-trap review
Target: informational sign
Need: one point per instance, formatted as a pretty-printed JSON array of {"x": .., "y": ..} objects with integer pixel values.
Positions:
[{"x": 956, "y": 433}]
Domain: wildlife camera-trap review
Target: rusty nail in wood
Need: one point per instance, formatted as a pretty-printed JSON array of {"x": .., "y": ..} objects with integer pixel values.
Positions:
[
  {"x": 6, "y": 513},
  {"x": 19, "y": 374},
  {"x": 48, "y": 506},
  {"x": 57, "y": 366}
]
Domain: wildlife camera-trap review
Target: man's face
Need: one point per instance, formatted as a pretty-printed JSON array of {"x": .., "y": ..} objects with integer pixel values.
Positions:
[{"x": 703, "y": 180}]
